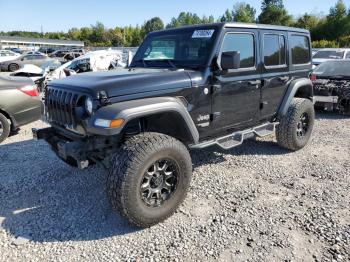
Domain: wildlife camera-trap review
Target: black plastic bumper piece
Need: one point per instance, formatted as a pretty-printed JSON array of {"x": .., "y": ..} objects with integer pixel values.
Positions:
[
  {"x": 40, "y": 134},
  {"x": 67, "y": 150}
]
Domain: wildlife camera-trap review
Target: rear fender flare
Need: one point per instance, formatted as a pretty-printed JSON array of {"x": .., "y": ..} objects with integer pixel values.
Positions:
[{"x": 297, "y": 88}]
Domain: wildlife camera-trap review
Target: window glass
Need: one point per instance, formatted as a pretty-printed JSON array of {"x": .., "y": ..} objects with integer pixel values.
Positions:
[
  {"x": 242, "y": 43},
  {"x": 333, "y": 68},
  {"x": 161, "y": 49},
  {"x": 28, "y": 57},
  {"x": 348, "y": 55},
  {"x": 274, "y": 50},
  {"x": 181, "y": 48},
  {"x": 300, "y": 50},
  {"x": 329, "y": 54}
]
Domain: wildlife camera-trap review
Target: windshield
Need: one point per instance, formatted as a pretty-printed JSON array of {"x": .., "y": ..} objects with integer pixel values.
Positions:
[
  {"x": 329, "y": 54},
  {"x": 80, "y": 64},
  {"x": 50, "y": 64},
  {"x": 181, "y": 48},
  {"x": 333, "y": 68}
]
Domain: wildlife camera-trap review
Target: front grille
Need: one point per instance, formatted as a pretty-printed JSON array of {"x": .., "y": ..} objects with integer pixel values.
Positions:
[{"x": 61, "y": 105}]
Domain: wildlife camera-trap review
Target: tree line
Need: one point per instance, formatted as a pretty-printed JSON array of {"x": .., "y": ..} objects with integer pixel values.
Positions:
[{"x": 331, "y": 30}]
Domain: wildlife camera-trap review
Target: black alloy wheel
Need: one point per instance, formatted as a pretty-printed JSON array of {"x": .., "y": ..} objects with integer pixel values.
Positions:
[
  {"x": 303, "y": 125},
  {"x": 159, "y": 182}
]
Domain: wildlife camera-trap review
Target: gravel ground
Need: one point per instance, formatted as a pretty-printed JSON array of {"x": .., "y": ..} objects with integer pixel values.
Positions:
[{"x": 253, "y": 203}]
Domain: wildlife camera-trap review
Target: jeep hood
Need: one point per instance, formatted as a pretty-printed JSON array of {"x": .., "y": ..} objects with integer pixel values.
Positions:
[{"x": 123, "y": 82}]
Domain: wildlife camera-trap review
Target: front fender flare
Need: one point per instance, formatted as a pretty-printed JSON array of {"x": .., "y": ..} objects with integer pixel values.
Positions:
[{"x": 134, "y": 109}]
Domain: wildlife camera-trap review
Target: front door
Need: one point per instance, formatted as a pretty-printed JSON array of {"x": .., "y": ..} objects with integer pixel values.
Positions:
[{"x": 236, "y": 93}]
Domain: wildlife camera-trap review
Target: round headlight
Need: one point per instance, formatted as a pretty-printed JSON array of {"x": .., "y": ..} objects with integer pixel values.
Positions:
[{"x": 88, "y": 105}]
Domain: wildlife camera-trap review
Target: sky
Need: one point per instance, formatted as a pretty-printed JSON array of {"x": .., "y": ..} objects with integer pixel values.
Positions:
[{"x": 61, "y": 15}]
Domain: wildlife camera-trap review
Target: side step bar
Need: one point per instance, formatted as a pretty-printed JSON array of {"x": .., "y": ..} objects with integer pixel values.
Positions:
[{"x": 237, "y": 138}]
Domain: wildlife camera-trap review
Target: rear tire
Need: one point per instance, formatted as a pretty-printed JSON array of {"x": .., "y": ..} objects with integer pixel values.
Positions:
[
  {"x": 149, "y": 178},
  {"x": 295, "y": 128},
  {"x": 5, "y": 128},
  {"x": 13, "y": 67}
]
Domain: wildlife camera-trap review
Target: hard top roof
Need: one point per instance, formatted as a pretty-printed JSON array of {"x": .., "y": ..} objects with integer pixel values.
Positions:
[{"x": 243, "y": 25}]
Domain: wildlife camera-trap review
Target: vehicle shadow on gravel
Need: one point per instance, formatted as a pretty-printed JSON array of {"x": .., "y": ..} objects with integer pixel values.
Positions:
[
  {"x": 215, "y": 155},
  {"x": 44, "y": 200}
]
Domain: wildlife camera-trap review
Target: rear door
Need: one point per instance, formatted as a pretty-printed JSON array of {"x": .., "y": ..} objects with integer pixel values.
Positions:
[
  {"x": 275, "y": 71},
  {"x": 236, "y": 94}
]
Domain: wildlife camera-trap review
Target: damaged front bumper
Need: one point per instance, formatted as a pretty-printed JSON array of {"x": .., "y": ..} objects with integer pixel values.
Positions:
[{"x": 75, "y": 150}]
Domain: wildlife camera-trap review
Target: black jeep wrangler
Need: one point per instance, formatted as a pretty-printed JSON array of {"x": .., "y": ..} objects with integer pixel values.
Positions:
[{"x": 187, "y": 88}]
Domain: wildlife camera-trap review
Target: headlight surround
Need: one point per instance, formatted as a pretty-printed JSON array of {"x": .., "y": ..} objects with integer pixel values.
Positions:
[{"x": 88, "y": 105}]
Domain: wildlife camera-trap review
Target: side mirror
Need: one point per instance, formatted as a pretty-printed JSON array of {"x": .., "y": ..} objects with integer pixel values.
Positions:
[{"x": 230, "y": 60}]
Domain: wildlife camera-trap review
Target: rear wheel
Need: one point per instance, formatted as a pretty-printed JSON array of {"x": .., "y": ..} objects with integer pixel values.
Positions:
[
  {"x": 5, "y": 128},
  {"x": 13, "y": 67},
  {"x": 295, "y": 128},
  {"x": 149, "y": 178}
]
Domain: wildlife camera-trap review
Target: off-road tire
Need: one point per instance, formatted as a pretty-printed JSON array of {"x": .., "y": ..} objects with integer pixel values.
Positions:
[
  {"x": 13, "y": 67},
  {"x": 286, "y": 131},
  {"x": 130, "y": 164},
  {"x": 5, "y": 125}
]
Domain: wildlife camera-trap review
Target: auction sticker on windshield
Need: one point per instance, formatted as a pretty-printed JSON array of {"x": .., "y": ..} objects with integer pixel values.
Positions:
[{"x": 203, "y": 33}]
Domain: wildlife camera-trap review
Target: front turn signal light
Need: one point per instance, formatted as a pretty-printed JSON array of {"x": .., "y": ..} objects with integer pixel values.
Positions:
[{"x": 115, "y": 123}]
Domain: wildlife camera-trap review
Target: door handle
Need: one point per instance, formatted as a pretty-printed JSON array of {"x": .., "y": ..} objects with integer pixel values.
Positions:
[
  {"x": 254, "y": 83},
  {"x": 283, "y": 78}
]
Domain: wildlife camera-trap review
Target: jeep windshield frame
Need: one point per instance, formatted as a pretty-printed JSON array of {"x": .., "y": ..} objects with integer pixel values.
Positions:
[{"x": 183, "y": 48}]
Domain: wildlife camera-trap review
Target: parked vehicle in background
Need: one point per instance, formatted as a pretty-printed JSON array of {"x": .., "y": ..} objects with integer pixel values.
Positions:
[
  {"x": 59, "y": 53},
  {"x": 34, "y": 53},
  {"x": 46, "y": 50},
  {"x": 78, "y": 50},
  {"x": 69, "y": 57},
  {"x": 331, "y": 82},
  {"x": 6, "y": 55},
  {"x": 327, "y": 54},
  {"x": 15, "y": 64},
  {"x": 16, "y": 50},
  {"x": 37, "y": 74},
  {"x": 102, "y": 60},
  {"x": 186, "y": 88},
  {"x": 94, "y": 61},
  {"x": 19, "y": 104}
]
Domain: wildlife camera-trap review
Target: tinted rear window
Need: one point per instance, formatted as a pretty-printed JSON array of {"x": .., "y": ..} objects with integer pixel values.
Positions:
[
  {"x": 300, "y": 46},
  {"x": 274, "y": 50},
  {"x": 242, "y": 43}
]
